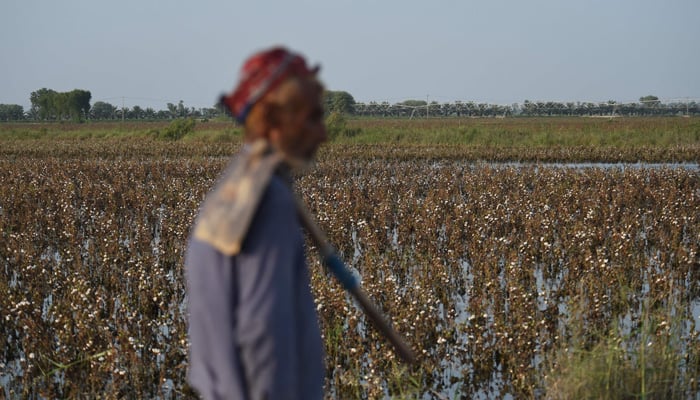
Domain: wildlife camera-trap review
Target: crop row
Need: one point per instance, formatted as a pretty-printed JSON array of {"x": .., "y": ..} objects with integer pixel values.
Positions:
[{"x": 115, "y": 149}]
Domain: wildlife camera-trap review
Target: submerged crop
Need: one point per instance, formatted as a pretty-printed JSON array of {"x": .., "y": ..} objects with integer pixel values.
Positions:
[{"x": 499, "y": 276}]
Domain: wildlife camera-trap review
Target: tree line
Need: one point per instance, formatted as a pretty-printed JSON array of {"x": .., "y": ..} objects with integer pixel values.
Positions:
[
  {"x": 50, "y": 105},
  {"x": 647, "y": 106},
  {"x": 105, "y": 111}
]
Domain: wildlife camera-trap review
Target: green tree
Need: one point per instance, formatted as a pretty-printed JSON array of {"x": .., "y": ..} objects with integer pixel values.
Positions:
[
  {"x": 172, "y": 109},
  {"x": 49, "y": 104},
  {"x": 60, "y": 106},
  {"x": 78, "y": 104},
  {"x": 102, "y": 110},
  {"x": 137, "y": 112},
  {"x": 11, "y": 112},
  {"x": 338, "y": 101},
  {"x": 181, "y": 109},
  {"x": 149, "y": 113},
  {"x": 43, "y": 103}
]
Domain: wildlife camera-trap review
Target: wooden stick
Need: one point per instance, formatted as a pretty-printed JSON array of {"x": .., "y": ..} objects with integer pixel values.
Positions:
[{"x": 348, "y": 280}]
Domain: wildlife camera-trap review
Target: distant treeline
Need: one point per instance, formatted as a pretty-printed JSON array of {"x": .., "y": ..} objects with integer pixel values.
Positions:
[
  {"x": 647, "y": 106},
  {"x": 49, "y": 105}
]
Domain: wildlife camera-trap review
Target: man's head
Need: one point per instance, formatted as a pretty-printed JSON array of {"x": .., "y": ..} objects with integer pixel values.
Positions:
[{"x": 279, "y": 98}]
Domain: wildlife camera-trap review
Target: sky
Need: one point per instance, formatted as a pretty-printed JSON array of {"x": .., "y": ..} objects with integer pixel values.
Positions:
[{"x": 150, "y": 53}]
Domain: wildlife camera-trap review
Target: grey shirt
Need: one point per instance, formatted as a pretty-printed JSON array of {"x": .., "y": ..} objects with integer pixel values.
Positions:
[{"x": 253, "y": 327}]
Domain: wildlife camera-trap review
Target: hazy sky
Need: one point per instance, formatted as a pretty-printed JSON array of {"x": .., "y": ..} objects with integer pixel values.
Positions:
[{"x": 149, "y": 53}]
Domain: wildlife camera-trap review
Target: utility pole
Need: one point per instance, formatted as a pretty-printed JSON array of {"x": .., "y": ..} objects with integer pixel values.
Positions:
[
  {"x": 123, "y": 111},
  {"x": 427, "y": 106}
]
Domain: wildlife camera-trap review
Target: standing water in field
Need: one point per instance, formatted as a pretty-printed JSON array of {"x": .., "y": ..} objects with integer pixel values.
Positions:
[{"x": 498, "y": 275}]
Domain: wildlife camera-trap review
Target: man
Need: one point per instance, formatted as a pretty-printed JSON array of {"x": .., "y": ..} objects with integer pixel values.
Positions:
[{"x": 253, "y": 327}]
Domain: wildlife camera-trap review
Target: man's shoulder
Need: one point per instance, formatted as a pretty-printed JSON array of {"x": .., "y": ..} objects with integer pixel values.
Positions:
[{"x": 228, "y": 211}]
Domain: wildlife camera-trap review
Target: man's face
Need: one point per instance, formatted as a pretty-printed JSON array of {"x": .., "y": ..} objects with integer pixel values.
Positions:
[{"x": 300, "y": 128}]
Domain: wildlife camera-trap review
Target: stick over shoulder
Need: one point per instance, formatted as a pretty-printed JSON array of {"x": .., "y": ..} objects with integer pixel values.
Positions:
[{"x": 350, "y": 283}]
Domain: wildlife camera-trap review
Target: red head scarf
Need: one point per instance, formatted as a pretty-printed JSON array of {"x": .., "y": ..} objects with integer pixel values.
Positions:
[{"x": 262, "y": 73}]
